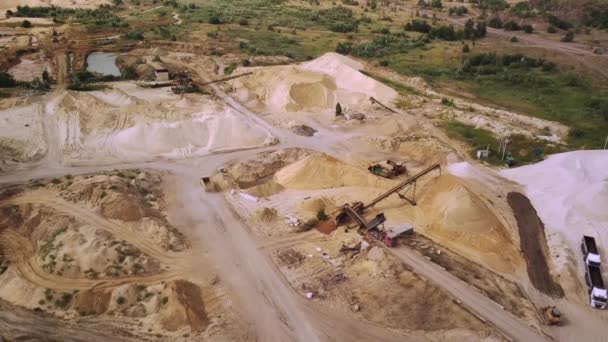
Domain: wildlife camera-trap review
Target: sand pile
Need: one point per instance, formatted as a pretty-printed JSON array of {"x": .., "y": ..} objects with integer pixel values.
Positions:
[
  {"x": 346, "y": 73},
  {"x": 314, "y": 85},
  {"x": 570, "y": 194},
  {"x": 323, "y": 171},
  {"x": 459, "y": 219},
  {"x": 286, "y": 88},
  {"x": 130, "y": 123}
]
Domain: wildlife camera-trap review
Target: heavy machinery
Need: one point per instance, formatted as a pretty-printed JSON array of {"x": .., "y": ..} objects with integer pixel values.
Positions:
[
  {"x": 598, "y": 295},
  {"x": 551, "y": 315},
  {"x": 389, "y": 170},
  {"x": 375, "y": 227}
]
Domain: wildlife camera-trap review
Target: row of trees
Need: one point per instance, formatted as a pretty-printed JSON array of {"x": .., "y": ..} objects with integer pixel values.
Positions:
[{"x": 472, "y": 30}]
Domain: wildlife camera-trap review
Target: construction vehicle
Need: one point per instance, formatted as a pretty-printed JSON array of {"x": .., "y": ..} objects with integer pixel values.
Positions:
[
  {"x": 598, "y": 296},
  {"x": 390, "y": 170},
  {"x": 207, "y": 184},
  {"x": 375, "y": 227},
  {"x": 590, "y": 254},
  {"x": 551, "y": 315}
]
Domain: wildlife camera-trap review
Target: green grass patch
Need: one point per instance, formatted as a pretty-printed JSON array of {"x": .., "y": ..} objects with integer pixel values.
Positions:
[{"x": 522, "y": 148}]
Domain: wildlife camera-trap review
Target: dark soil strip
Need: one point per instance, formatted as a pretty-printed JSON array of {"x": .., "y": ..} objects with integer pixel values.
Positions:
[{"x": 534, "y": 245}]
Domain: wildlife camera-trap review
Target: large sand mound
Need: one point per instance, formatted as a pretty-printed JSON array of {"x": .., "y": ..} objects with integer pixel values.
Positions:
[
  {"x": 130, "y": 123},
  {"x": 286, "y": 88},
  {"x": 323, "y": 172},
  {"x": 460, "y": 219},
  {"x": 570, "y": 194},
  {"x": 346, "y": 73},
  {"x": 318, "y": 84}
]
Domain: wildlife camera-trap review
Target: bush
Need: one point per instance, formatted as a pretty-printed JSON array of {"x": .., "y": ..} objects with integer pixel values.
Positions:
[
  {"x": 344, "y": 48},
  {"x": 418, "y": 25},
  {"x": 26, "y": 24},
  {"x": 121, "y": 300},
  {"x": 514, "y": 39},
  {"x": 338, "y": 109},
  {"x": 527, "y": 28},
  {"x": 551, "y": 29},
  {"x": 384, "y": 63},
  {"x": 6, "y": 80},
  {"x": 568, "y": 37},
  {"x": 465, "y": 48},
  {"x": 511, "y": 26},
  {"x": 134, "y": 35},
  {"x": 215, "y": 20},
  {"x": 496, "y": 23},
  {"x": 243, "y": 22}
]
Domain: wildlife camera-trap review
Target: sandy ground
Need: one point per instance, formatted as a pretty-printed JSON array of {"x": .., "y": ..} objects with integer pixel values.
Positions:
[
  {"x": 570, "y": 193},
  {"x": 30, "y": 67},
  {"x": 244, "y": 291}
]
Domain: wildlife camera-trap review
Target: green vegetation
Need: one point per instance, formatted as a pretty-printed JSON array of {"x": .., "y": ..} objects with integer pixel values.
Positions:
[
  {"x": 94, "y": 19},
  {"x": 520, "y": 147}
]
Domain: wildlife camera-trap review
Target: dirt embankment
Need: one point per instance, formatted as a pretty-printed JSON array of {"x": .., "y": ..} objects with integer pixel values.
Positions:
[{"x": 534, "y": 245}]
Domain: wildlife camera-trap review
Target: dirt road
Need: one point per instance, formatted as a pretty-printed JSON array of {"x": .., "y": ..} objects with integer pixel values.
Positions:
[{"x": 470, "y": 298}]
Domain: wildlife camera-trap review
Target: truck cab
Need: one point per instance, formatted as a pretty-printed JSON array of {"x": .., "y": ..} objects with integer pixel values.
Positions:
[{"x": 598, "y": 298}]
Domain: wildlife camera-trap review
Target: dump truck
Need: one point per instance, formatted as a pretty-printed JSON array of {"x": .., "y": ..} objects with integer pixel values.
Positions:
[
  {"x": 590, "y": 252},
  {"x": 598, "y": 296}
]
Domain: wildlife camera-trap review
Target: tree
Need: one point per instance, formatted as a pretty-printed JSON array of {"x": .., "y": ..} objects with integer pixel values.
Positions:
[
  {"x": 436, "y": 4},
  {"x": 338, "y": 109},
  {"x": 26, "y": 24},
  {"x": 465, "y": 48},
  {"x": 46, "y": 77},
  {"x": 495, "y": 22}
]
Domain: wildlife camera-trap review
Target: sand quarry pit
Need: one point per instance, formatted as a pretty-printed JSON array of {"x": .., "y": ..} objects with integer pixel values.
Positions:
[
  {"x": 21, "y": 134},
  {"x": 131, "y": 123},
  {"x": 99, "y": 245},
  {"x": 312, "y": 87}
]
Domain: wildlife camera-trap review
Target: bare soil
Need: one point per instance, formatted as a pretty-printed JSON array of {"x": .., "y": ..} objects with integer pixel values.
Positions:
[{"x": 534, "y": 245}]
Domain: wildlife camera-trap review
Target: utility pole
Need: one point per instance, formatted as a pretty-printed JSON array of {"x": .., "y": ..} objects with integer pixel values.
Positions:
[{"x": 606, "y": 143}]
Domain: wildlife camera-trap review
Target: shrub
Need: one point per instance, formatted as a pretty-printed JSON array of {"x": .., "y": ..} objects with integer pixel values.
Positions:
[
  {"x": 344, "y": 48},
  {"x": 418, "y": 25},
  {"x": 165, "y": 300},
  {"x": 465, "y": 48},
  {"x": 551, "y": 29},
  {"x": 527, "y": 28},
  {"x": 495, "y": 22},
  {"x": 384, "y": 63},
  {"x": 7, "y": 80},
  {"x": 338, "y": 109},
  {"x": 26, "y": 24},
  {"x": 568, "y": 37},
  {"x": 121, "y": 300},
  {"x": 215, "y": 20},
  {"x": 514, "y": 39},
  {"x": 512, "y": 26},
  {"x": 243, "y": 22}
]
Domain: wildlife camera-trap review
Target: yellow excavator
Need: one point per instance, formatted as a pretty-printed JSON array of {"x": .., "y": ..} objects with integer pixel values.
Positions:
[{"x": 552, "y": 315}]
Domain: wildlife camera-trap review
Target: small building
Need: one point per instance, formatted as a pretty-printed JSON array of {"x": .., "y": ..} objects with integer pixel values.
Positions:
[
  {"x": 161, "y": 74},
  {"x": 483, "y": 154}
]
